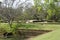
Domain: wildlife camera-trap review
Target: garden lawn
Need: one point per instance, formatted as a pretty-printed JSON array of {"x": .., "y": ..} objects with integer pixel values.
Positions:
[
  {"x": 54, "y": 35},
  {"x": 36, "y": 26}
]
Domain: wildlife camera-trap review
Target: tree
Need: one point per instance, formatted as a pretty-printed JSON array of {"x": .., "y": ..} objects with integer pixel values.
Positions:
[
  {"x": 52, "y": 9},
  {"x": 40, "y": 12},
  {"x": 8, "y": 13}
]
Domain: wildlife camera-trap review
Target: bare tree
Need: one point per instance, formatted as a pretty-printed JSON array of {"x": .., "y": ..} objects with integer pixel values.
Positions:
[{"x": 8, "y": 13}]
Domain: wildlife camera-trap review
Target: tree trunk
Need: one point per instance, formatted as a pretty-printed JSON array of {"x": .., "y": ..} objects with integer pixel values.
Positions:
[{"x": 10, "y": 24}]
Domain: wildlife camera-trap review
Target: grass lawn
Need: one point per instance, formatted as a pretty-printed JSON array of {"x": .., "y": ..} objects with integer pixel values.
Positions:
[
  {"x": 38, "y": 26},
  {"x": 54, "y": 35}
]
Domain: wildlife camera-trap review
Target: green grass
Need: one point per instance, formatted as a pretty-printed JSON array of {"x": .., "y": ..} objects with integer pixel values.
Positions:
[
  {"x": 6, "y": 27},
  {"x": 55, "y": 35},
  {"x": 37, "y": 26}
]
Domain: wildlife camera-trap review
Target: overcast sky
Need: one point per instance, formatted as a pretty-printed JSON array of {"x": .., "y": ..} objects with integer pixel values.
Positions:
[
  {"x": 21, "y": 1},
  {"x": 1, "y": 0},
  {"x": 24, "y": 0},
  {"x": 17, "y": 0},
  {"x": 14, "y": 6}
]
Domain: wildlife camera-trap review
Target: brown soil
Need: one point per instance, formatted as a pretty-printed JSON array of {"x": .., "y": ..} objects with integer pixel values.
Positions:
[{"x": 28, "y": 33}]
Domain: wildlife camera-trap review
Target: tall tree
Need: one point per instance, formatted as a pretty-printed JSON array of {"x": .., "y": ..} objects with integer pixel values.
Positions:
[
  {"x": 8, "y": 13},
  {"x": 52, "y": 9},
  {"x": 40, "y": 13}
]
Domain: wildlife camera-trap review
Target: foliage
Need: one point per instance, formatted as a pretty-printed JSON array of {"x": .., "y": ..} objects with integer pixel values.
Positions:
[{"x": 37, "y": 26}]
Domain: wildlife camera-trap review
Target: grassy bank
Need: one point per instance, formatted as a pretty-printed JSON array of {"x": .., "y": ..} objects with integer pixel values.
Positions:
[
  {"x": 55, "y": 35},
  {"x": 36, "y": 26}
]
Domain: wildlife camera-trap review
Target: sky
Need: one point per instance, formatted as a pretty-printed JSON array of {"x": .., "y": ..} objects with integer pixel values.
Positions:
[
  {"x": 17, "y": 0},
  {"x": 1, "y": 0},
  {"x": 31, "y": 1},
  {"x": 24, "y": 0},
  {"x": 21, "y": 1}
]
